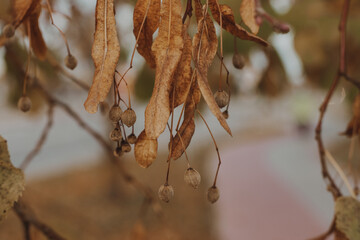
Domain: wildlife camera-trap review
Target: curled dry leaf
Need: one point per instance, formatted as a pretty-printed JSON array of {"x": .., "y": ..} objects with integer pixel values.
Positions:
[
  {"x": 347, "y": 213},
  {"x": 145, "y": 150},
  {"x": 11, "y": 181},
  {"x": 22, "y": 9},
  {"x": 168, "y": 47},
  {"x": 105, "y": 53},
  {"x": 150, "y": 10},
  {"x": 183, "y": 72},
  {"x": 37, "y": 42},
  {"x": 186, "y": 131},
  {"x": 204, "y": 51},
  {"x": 248, "y": 14},
  {"x": 229, "y": 24}
]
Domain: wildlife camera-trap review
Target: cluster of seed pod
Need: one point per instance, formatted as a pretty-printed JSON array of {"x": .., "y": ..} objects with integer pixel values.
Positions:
[
  {"x": 119, "y": 119},
  {"x": 193, "y": 179}
]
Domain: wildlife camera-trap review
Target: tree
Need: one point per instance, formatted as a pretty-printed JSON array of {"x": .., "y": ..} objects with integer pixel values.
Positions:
[{"x": 181, "y": 62}]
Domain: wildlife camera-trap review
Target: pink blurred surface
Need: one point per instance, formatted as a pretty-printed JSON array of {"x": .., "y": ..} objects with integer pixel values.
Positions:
[{"x": 256, "y": 202}]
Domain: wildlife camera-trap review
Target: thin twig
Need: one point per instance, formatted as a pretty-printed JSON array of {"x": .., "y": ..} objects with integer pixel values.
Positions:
[
  {"x": 327, "y": 233},
  {"x": 61, "y": 32},
  {"x": 341, "y": 72},
  {"x": 28, "y": 218},
  {"x": 42, "y": 139}
]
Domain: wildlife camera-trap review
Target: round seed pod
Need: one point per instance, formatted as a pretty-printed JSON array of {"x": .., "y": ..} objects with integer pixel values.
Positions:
[
  {"x": 125, "y": 146},
  {"x": 118, "y": 152},
  {"x": 213, "y": 194},
  {"x": 192, "y": 177},
  {"x": 24, "y": 104},
  {"x": 8, "y": 31},
  {"x": 166, "y": 192},
  {"x": 238, "y": 61},
  {"x": 128, "y": 117},
  {"x": 115, "y": 135},
  {"x": 115, "y": 113},
  {"x": 221, "y": 98},
  {"x": 70, "y": 62},
  {"x": 225, "y": 114},
  {"x": 131, "y": 138}
]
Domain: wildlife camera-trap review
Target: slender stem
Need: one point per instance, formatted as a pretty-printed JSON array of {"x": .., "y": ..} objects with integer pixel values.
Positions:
[
  {"x": 42, "y": 139},
  {"x": 216, "y": 146},
  {"x": 61, "y": 32},
  {"x": 341, "y": 71}
]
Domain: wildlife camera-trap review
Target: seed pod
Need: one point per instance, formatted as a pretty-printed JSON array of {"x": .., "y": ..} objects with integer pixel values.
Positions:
[
  {"x": 238, "y": 61},
  {"x": 221, "y": 98},
  {"x": 118, "y": 152},
  {"x": 128, "y": 117},
  {"x": 213, "y": 194},
  {"x": 131, "y": 138},
  {"x": 115, "y": 135},
  {"x": 125, "y": 146},
  {"x": 192, "y": 177},
  {"x": 225, "y": 114},
  {"x": 166, "y": 192},
  {"x": 70, "y": 62},
  {"x": 24, "y": 104},
  {"x": 115, "y": 113},
  {"x": 8, "y": 31}
]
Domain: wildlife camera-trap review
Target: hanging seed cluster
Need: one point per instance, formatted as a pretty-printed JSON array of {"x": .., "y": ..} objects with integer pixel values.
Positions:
[{"x": 181, "y": 63}]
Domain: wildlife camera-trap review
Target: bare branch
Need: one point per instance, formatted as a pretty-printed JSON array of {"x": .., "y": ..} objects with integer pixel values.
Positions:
[{"x": 42, "y": 139}]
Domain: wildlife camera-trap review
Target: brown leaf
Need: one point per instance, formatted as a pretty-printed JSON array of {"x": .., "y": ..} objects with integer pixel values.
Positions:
[
  {"x": 4, "y": 152},
  {"x": 145, "y": 150},
  {"x": 105, "y": 53},
  {"x": 22, "y": 9},
  {"x": 168, "y": 48},
  {"x": 37, "y": 42},
  {"x": 347, "y": 213},
  {"x": 183, "y": 72},
  {"x": 150, "y": 9},
  {"x": 204, "y": 51},
  {"x": 229, "y": 24},
  {"x": 248, "y": 14},
  {"x": 184, "y": 135},
  {"x": 11, "y": 181}
]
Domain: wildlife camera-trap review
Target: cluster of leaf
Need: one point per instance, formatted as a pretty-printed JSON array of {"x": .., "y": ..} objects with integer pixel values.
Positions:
[{"x": 181, "y": 63}]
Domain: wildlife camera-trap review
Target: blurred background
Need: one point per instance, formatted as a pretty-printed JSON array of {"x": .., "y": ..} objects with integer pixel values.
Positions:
[{"x": 270, "y": 181}]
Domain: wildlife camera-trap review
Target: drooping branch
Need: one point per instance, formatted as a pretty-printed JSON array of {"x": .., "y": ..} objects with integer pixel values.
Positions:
[{"x": 28, "y": 218}]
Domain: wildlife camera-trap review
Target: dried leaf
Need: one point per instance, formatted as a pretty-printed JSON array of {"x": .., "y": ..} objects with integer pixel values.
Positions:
[
  {"x": 229, "y": 24},
  {"x": 105, "y": 53},
  {"x": 22, "y": 9},
  {"x": 4, "y": 152},
  {"x": 145, "y": 150},
  {"x": 150, "y": 9},
  {"x": 11, "y": 181},
  {"x": 168, "y": 48},
  {"x": 248, "y": 14},
  {"x": 183, "y": 72},
  {"x": 204, "y": 51},
  {"x": 347, "y": 213},
  {"x": 37, "y": 42},
  {"x": 184, "y": 135}
]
